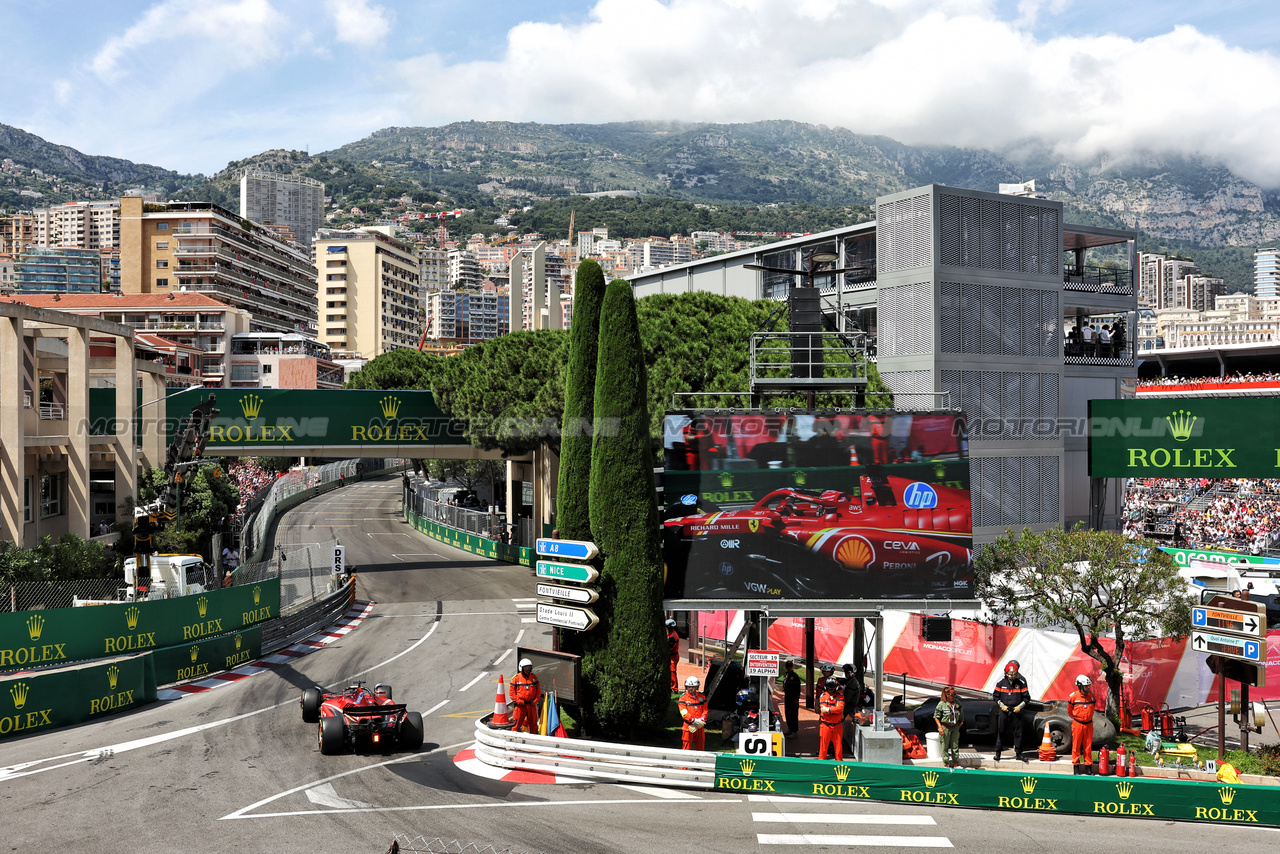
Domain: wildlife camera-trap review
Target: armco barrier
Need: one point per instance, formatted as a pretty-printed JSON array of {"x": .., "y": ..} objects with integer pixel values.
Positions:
[
  {"x": 207, "y": 656},
  {"x": 471, "y": 542},
  {"x": 70, "y": 695},
  {"x": 61, "y": 635},
  {"x": 1143, "y": 797},
  {"x": 594, "y": 760}
]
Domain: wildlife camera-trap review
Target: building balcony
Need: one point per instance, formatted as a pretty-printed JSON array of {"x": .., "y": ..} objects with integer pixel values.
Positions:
[{"x": 1097, "y": 279}]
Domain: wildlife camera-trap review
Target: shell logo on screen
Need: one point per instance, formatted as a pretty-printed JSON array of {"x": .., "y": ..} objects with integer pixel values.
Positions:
[{"x": 855, "y": 553}]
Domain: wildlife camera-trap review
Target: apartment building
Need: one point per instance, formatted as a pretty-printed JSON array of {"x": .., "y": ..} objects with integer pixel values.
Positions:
[
  {"x": 468, "y": 316},
  {"x": 464, "y": 269},
  {"x": 282, "y": 360},
  {"x": 87, "y": 225},
  {"x": 16, "y": 231},
  {"x": 433, "y": 267},
  {"x": 278, "y": 199},
  {"x": 1266, "y": 273},
  {"x": 45, "y": 269},
  {"x": 1163, "y": 282},
  {"x": 191, "y": 319},
  {"x": 206, "y": 249},
  {"x": 370, "y": 292}
]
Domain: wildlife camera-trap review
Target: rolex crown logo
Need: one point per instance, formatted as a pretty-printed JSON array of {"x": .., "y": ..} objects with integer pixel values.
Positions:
[
  {"x": 113, "y": 676},
  {"x": 195, "y": 653},
  {"x": 257, "y": 593},
  {"x": 390, "y": 406},
  {"x": 19, "y": 694},
  {"x": 1227, "y": 794},
  {"x": 131, "y": 615},
  {"x": 35, "y": 625},
  {"x": 202, "y": 605},
  {"x": 237, "y": 641},
  {"x": 1181, "y": 423},
  {"x": 1124, "y": 790},
  {"x": 842, "y": 772},
  {"x": 801, "y": 478},
  {"x": 930, "y": 779},
  {"x": 747, "y": 767},
  {"x": 251, "y": 405},
  {"x": 1029, "y": 785},
  {"x": 726, "y": 480}
]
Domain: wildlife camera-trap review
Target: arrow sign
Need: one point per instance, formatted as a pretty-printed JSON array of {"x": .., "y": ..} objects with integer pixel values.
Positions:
[
  {"x": 567, "y": 549},
  {"x": 1228, "y": 646},
  {"x": 584, "y": 595},
  {"x": 566, "y": 616},
  {"x": 579, "y": 572},
  {"x": 1226, "y": 620}
]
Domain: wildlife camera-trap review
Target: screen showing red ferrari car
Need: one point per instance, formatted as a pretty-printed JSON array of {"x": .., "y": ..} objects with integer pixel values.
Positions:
[{"x": 839, "y": 506}]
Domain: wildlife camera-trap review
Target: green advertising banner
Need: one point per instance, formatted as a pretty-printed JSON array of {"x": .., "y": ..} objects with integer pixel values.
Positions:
[
  {"x": 1183, "y": 557},
  {"x": 472, "y": 542},
  {"x": 206, "y": 656},
  {"x": 1185, "y": 437},
  {"x": 379, "y": 422},
  {"x": 1143, "y": 797},
  {"x": 40, "y": 700},
  {"x": 60, "y": 635}
]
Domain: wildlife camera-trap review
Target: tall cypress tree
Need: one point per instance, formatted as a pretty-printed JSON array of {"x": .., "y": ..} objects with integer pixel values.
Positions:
[
  {"x": 572, "y": 518},
  {"x": 625, "y": 659}
]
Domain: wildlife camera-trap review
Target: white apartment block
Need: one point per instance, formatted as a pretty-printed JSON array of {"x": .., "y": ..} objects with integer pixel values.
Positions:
[
  {"x": 464, "y": 269},
  {"x": 274, "y": 198},
  {"x": 1266, "y": 273},
  {"x": 81, "y": 225}
]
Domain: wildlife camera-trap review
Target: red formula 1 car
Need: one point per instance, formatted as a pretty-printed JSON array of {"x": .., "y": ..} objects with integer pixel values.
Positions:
[
  {"x": 357, "y": 716},
  {"x": 894, "y": 538}
]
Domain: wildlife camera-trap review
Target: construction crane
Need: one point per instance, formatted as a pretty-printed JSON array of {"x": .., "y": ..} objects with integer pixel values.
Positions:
[{"x": 573, "y": 255}]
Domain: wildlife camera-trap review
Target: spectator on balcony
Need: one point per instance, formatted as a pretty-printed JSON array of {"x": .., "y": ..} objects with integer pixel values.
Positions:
[
  {"x": 1073, "y": 340},
  {"x": 1086, "y": 336},
  {"x": 1104, "y": 341}
]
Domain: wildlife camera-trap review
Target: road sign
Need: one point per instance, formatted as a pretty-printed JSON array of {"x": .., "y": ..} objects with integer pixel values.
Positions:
[
  {"x": 339, "y": 560},
  {"x": 579, "y": 572},
  {"x": 583, "y": 595},
  {"x": 567, "y": 549},
  {"x": 566, "y": 616},
  {"x": 1233, "y": 622},
  {"x": 761, "y": 662},
  {"x": 1229, "y": 646}
]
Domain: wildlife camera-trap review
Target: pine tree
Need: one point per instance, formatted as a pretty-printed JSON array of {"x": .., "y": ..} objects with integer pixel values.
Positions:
[
  {"x": 624, "y": 663},
  {"x": 572, "y": 518}
]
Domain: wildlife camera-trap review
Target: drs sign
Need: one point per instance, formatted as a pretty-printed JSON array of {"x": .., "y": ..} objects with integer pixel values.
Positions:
[{"x": 339, "y": 560}]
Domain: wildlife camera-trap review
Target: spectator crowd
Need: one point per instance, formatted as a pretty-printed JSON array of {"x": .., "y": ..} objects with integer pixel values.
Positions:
[
  {"x": 1239, "y": 514},
  {"x": 250, "y": 478},
  {"x": 1265, "y": 377}
]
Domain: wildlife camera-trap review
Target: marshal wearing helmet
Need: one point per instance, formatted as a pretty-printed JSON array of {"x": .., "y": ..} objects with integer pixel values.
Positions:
[{"x": 1011, "y": 696}]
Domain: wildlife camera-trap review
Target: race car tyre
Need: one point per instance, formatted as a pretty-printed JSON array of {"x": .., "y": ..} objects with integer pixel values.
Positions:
[
  {"x": 311, "y": 699},
  {"x": 411, "y": 731},
  {"x": 330, "y": 735},
  {"x": 1060, "y": 736}
]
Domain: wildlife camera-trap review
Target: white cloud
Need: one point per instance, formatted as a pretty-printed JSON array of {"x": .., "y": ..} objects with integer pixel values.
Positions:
[
  {"x": 942, "y": 72},
  {"x": 359, "y": 24},
  {"x": 229, "y": 36}
]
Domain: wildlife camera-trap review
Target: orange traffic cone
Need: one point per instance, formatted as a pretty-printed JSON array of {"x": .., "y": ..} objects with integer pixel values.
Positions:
[
  {"x": 853, "y": 456},
  {"x": 500, "y": 716},
  {"x": 1047, "y": 751}
]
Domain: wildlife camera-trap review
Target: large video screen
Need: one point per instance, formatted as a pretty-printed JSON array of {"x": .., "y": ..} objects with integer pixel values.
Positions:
[{"x": 815, "y": 505}]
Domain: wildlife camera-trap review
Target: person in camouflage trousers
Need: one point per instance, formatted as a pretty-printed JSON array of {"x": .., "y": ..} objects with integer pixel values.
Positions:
[{"x": 949, "y": 716}]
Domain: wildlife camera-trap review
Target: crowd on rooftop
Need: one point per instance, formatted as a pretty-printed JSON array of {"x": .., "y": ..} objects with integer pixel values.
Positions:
[
  {"x": 250, "y": 478},
  {"x": 1263, "y": 377},
  {"x": 1239, "y": 514}
]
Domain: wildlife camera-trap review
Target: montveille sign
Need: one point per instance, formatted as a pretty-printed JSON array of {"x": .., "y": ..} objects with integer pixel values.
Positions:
[{"x": 1184, "y": 437}]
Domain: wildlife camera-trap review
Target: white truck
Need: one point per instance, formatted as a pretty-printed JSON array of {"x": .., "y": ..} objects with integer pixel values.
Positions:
[{"x": 171, "y": 576}]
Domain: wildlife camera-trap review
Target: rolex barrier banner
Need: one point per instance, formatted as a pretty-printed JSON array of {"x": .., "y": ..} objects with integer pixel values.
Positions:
[
  {"x": 1178, "y": 800},
  {"x": 60, "y": 635},
  {"x": 207, "y": 656},
  {"x": 40, "y": 700}
]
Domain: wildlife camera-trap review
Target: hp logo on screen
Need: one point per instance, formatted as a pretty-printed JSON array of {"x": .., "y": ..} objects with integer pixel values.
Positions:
[{"x": 920, "y": 496}]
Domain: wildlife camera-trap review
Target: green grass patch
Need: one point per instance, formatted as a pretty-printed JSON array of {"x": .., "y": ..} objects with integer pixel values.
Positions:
[{"x": 1266, "y": 761}]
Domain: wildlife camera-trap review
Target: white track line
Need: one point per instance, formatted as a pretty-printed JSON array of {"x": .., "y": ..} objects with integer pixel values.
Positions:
[
  {"x": 868, "y": 841},
  {"x": 435, "y": 708},
  {"x": 840, "y": 818},
  {"x": 483, "y": 674},
  {"x": 500, "y": 658}
]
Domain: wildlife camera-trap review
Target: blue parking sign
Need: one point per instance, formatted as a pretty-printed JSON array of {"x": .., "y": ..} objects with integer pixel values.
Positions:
[{"x": 920, "y": 496}]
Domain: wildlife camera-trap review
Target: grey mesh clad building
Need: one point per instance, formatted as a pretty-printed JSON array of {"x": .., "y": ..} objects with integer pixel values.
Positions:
[{"x": 976, "y": 301}]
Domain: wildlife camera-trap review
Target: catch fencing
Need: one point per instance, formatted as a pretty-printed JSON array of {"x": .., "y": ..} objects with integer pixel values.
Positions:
[
  {"x": 305, "y": 573},
  {"x": 428, "y": 505},
  {"x": 33, "y": 595},
  {"x": 294, "y": 487}
]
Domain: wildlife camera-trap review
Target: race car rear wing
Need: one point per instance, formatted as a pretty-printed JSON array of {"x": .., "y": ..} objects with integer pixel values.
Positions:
[{"x": 374, "y": 711}]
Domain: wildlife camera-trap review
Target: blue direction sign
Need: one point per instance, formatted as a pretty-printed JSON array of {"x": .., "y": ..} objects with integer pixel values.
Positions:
[
  {"x": 1228, "y": 646},
  {"x": 567, "y": 549}
]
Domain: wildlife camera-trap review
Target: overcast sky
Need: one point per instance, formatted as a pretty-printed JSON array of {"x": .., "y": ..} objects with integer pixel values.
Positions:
[{"x": 193, "y": 84}]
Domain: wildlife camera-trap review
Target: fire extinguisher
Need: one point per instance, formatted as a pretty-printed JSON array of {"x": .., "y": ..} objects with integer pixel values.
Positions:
[
  {"x": 1166, "y": 721},
  {"x": 1122, "y": 761},
  {"x": 1104, "y": 762},
  {"x": 1148, "y": 719},
  {"x": 1133, "y": 764}
]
